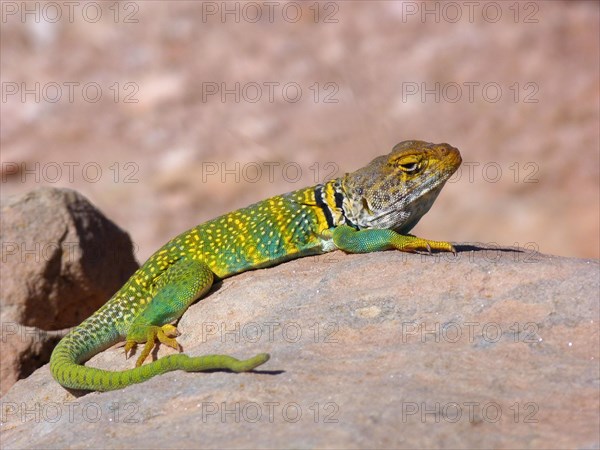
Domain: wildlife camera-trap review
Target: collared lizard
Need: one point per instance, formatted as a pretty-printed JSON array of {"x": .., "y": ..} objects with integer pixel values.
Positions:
[{"x": 371, "y": 209}]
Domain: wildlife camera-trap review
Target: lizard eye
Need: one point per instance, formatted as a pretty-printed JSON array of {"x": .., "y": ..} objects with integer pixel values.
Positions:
[{"x": 410, "y": 167}]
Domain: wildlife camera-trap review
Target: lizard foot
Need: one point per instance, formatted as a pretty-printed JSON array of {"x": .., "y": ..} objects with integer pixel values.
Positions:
[
  {"x": 416, "y": 244},
  {"x": 151, "y": 333}
]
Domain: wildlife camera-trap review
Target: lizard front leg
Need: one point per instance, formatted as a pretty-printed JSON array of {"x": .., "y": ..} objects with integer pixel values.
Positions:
[{"x": 372, "y": 240}]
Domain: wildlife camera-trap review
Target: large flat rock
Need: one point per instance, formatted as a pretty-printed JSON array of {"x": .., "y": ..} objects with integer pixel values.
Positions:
[{"x": 388, "y": 350}]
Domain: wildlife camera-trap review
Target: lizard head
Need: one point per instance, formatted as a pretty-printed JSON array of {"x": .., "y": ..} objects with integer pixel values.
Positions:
[{"x": 394, "y": 191}]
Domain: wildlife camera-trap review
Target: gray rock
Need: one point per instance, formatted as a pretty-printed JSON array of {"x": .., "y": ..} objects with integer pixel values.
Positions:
[
  {"x": 387, "y": 350},
  {"x": 61, "y": 260}
]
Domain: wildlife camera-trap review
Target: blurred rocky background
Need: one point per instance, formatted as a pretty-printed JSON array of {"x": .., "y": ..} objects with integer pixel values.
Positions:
[{"x": 166, "y": 114}]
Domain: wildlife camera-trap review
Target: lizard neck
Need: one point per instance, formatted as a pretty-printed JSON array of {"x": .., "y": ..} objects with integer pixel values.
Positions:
[{"x": 332, "y": 201}]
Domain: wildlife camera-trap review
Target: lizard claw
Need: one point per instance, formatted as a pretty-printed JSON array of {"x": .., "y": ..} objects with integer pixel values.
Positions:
[
  {"x": 130, "y": 346},
  {"x": 167, "y": 334}
]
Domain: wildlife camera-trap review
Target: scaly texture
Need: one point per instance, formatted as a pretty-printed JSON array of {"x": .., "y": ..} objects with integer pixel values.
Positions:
[{"x": 369, "y": 210}]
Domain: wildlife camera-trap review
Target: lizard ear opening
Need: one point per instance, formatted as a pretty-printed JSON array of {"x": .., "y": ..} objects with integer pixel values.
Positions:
[{"x": 365, "y": 205}]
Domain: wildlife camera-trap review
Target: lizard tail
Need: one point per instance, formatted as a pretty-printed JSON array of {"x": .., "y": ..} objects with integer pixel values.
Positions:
[{"x": 66, "y": 367}]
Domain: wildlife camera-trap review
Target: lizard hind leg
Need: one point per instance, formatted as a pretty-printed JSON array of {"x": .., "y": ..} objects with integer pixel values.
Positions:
[{"x": 178, "y": 287}]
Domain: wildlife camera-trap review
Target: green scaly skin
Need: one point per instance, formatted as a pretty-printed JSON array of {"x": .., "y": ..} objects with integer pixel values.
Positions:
[{"x": 369, "y": 210}]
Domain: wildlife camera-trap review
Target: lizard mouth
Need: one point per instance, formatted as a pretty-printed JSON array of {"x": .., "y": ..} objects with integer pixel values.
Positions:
[{"x": 450, "y": 160}]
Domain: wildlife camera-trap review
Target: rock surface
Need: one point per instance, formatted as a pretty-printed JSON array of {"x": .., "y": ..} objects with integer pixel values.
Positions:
[
  {"x": 24, "y": 349},
  {"x": 61, "y": 260},
  {"x": 492, "y": 348}
]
